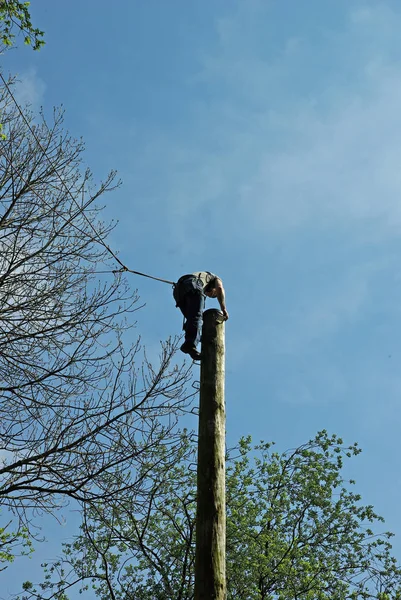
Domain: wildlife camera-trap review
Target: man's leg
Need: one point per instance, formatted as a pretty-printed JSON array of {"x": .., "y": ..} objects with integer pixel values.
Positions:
[{"x": 193, "y": 312}]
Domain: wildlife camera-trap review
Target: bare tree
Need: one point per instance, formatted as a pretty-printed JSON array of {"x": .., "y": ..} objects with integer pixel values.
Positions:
[{"x": 76, "y": 401}]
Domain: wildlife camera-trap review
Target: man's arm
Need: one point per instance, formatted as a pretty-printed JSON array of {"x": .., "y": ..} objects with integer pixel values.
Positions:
[{"x": 221, "y": 297}]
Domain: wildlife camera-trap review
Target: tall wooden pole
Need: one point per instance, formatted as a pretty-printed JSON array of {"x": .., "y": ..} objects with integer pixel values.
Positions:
[{"x": 210, "y": 554}]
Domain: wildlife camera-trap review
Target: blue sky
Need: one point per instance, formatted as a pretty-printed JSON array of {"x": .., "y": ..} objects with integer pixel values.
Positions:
[{"x": 260, "y": 140}]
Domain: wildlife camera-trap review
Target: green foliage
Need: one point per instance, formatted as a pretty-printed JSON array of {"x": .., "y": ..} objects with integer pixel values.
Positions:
[
  {"x": 295, "y": 529},
  {"x": 15, "y": 16},
  {"x": 13, "y": 543}
]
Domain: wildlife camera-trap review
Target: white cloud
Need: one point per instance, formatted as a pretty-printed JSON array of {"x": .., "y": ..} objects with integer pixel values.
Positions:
[
  {"x": 30, "y": 89},
  {"x": 330, "y": 158},
  {"x": 340, "y": 167},
  {"x": 321, "y": 309},
  {"x": 5, "y": 455},
  {"x": 268, "y": 158}
]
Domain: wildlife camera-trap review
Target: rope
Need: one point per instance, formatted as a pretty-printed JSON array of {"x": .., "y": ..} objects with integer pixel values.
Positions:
[
  {"x": 144, "y": 275},
  {"x": 97, "y": 237}
]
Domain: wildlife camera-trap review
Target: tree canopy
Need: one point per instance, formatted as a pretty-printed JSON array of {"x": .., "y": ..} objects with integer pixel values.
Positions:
[
  {"x": 15, "y": 19},
  {"x": 295, "y": 529}
]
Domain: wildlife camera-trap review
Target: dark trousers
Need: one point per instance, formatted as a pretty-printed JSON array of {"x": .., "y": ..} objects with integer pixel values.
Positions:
[{"x": 191, "y": 301}]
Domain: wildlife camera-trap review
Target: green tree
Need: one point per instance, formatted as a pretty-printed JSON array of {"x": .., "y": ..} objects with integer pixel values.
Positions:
[
  {"x": 12, "y": 542},
  {"x": 15, "y": 18},
  {"x": 295, "y": 530}
]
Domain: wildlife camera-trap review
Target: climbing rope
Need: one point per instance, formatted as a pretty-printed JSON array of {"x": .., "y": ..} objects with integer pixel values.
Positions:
[
  {"x": 96, "y": 238},
  {"x": 123, "y": 269}
]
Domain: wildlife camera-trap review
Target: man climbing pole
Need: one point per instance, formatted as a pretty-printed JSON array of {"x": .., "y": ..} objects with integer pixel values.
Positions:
[{"x": 189, "y": 294}]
